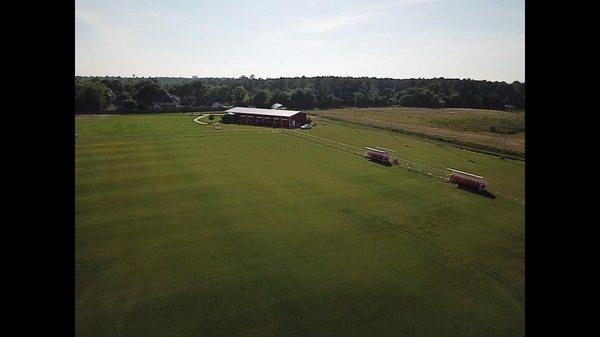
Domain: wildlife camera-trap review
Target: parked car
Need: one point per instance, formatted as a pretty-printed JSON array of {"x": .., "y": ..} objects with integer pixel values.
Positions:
[{"x": 306, "y": 126}]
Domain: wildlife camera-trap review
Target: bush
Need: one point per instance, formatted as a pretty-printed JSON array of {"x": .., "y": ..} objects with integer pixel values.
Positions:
[{"x": 227, "y": 119}]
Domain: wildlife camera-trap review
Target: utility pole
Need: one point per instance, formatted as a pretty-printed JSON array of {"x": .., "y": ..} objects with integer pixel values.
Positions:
[
  {"x": 507, "y": 108},
  {"x": 355, "y": 110},
  {"x": 391, "y": 114}
]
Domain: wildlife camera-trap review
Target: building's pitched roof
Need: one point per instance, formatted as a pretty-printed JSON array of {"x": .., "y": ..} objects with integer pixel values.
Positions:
[
  {"x": 267, "y": 112},
  {"x": 277, "y": 106},
  {"x": 168, "y": 98},
  {"x": 174, "y": 98}
]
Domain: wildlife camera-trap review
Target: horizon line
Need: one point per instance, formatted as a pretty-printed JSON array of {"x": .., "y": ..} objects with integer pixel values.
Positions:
[{"x": 280, "y": 77}]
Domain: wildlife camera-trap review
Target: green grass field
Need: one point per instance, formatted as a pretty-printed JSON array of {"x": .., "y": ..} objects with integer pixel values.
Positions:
[
  {"x": 471, "y": 127},
  {"x": 186, "y": 231}
]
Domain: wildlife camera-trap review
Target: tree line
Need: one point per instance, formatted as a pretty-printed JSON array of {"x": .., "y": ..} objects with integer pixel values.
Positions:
[{"x": 301, "y": 93}]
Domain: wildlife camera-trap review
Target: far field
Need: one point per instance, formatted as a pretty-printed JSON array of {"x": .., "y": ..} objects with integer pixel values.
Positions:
[
  {"x": 475, "y": 127},
  {"x": 184, "y": 230}
]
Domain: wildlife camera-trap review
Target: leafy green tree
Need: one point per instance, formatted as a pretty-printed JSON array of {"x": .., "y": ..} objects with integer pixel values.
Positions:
[
  {"x": 129, "y": 104},
  {"x": 92, "y": 96},
  {"x": 281, "y": 97},
  {"x": 454, "y": 101},
  {"x": 261, "y": 98},
  {"x": 373, "y": 97},
  {"x": 213, "y": 94},
  {"x": 302, "y": 99},
  {"x": 358, "y": 99},
  {"x": 323, "y": 91},
  {"x": 115, "y": 85},
  {"x": 247, "y": 100},
  {"x": 150, "y": 92},
  {"x": 334, "y": 101},
  {"x": 239, "y": 95},
  {"x": 123, "y": 96},
  {"x": 198, "y": 90}
]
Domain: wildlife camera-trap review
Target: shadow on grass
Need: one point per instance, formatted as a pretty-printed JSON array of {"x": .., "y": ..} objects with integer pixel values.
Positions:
[
  {"x": 510, "y": 161},
  {"x": 379, "y": 162},
  {"x": 486, "y": 194}
]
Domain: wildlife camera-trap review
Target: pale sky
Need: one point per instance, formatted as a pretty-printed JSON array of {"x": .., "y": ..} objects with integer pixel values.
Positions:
[{"x": 478, "y": 39}]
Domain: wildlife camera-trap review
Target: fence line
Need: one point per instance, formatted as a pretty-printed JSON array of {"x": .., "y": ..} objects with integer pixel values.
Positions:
[
  {"x": 325, "y": 141},
  {"x": 243, "y": 132},
  {"x": 401, "y": 162},
  {"x": 434, "y": 172},
  {"x": 479, "y": 148}
]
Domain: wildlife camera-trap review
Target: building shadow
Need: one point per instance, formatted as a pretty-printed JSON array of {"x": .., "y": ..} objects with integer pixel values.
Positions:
[{"x": 485, "y": 193}]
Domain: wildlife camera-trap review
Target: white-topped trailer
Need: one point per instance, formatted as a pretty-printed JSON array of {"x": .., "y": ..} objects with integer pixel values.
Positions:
[
  {"x": 470, "y": 180},
  {"x": 377, "y": 155}
]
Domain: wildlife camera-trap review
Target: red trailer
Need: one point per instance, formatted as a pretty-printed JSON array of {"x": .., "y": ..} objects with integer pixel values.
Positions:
[
  {"x": 377, "y": 155},
  {"x": 469, "y": 180}
]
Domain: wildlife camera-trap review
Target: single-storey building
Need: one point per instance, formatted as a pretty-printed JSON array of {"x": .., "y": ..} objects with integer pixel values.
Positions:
[
  {"x": 268, "y": 117},
  {"x": 166, "y": 102},
  {"x": 278, "y": 106}
]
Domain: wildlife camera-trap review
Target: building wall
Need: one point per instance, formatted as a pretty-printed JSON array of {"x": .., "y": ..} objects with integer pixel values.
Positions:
[
  {"x": 300, "y": 119},
  {"x": 272, "y": 121}
]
